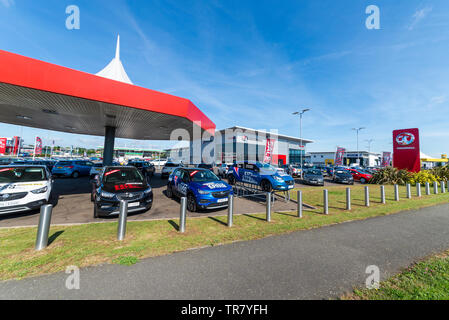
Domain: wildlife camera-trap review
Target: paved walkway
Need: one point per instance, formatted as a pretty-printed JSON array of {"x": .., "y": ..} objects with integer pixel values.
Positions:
[{"x": 314, "y": 264}]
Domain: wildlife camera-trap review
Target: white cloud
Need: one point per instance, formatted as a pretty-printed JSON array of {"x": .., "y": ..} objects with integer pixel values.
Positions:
[
  {"x": 7, "y": 3},
  {"x": 418, "y": 16}
]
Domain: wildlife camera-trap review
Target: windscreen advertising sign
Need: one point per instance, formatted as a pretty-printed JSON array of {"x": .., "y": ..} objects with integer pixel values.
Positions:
[
  {"x": 386, "y": 159},
  {"x": 406, "y": 152},
  {"x": 269, "y": 151},
  {"x": 339, "y": 156},
  {"x": 3, "y": 145}
]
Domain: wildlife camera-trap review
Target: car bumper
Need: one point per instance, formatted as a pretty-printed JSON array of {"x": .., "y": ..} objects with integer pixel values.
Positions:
[
  {"x": 315, "y": 183},
  {"x": 61, "y": 173},
  {"x": 210, "y": 202},
  {"x": 106, "y": 208},
  {"x": 23, "y": 207}
]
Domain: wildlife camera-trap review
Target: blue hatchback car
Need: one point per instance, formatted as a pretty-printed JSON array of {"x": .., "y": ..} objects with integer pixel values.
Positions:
[
  {"x": 203, "y": 189},
  {"x": 72, "y": 168},
  {"x": 261, "y": 174}
]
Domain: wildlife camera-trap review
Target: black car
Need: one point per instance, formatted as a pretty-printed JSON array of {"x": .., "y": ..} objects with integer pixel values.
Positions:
[
  {"x": 343, "y": 176},
  {"x": 205, "y": 166},
  {"x": 313, "y": 177},
  {"x": 120, "y": 183},
  {"x": 146, "y": 168}
]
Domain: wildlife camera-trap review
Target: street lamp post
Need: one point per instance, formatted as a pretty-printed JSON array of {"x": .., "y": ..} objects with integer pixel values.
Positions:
[
  {"x": 358, "y": 130},
  {"x": 300, "y": 113}
]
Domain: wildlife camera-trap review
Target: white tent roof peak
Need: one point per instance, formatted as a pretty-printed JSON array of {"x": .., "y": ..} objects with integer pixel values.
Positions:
[{"x": 115, "y": 70}]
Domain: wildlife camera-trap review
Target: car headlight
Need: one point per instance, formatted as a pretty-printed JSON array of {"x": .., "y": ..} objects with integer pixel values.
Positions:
[
  {"x": 108, "y": 195},
  {"x": 148, "y": 190},
  {"x": 41, "y": 190},
  {"x": 203, "y": 192},
  {"x": 278, "y": 179}
]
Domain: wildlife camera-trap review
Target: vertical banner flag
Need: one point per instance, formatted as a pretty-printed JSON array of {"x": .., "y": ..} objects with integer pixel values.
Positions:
[
  {"x": 16, "y": 145},
  {"x": 339, "y": 156},
  {"x": 386, "y": 159},
  {"x": 3, "y": 145},
  {"x": 406, "y": 153},
  {"x": 269, "y": 151},
  {"x": 38, "y": 146}
]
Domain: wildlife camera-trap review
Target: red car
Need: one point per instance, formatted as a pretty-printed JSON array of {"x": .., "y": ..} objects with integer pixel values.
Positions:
[{"x": 360, "y": 175}]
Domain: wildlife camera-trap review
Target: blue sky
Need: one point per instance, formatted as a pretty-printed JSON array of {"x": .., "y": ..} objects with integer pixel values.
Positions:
[{"x": 253, "y": 63}]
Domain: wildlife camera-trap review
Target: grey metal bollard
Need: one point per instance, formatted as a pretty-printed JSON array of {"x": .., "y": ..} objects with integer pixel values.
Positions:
[
  {"x": 418, "y": 189},
  {"x": 366, "y": 196},
  {"x": 182, "y": 215},
  {"x": 268, "y": 206},
  {"x": 299, "y": 198},
  {"x": 409, "y": 192},
  {"x": 326, "y": 202},
  {"x": 443, "y": 187},
  {"x": 43, "y": 227},
  {"x": 396, "y": 192},
  {"x": 348, "y": 198},
  {"x": 123, "y": 216},
  {"x": 382, "y": 194},
  {"x": 435, "y": 187},
  {"x": 230, "y": 209},
  {"x": 427, "y": 189}
]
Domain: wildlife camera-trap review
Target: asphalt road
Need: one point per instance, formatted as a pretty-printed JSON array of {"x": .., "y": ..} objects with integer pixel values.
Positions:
[{"x": 314, "y": 264}]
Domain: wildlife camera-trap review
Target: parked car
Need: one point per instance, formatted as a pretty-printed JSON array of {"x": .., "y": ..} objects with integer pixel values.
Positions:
[
  {"x": 146, "y": 168},
  {"x": 360, "y": 175},
  {"x": 72, "y": 168},
  {"x": 117, "y": 183},
  {"x": 24, "y": 188},
  {"x": 203, "y": 189},
  {"x": 205, "y": 166},
  {"x": 295, "y": 171},
  {"x": 168, "y": 168},
  {"x": 223, "y": 169},
  {"x": 313, "y": 177},
  {"x": 342, "y": 176},
  {"x": 260, "y": 174}
]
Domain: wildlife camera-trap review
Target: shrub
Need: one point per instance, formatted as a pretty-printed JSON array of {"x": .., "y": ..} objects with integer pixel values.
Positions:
[{"x": 390, "y": 175}]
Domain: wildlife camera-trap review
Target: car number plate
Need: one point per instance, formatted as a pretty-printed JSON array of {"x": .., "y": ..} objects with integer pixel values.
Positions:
[
  {"x": 222, "y": 200},
  {"x": 9, "y": 203},
  {"x": 58, "y": 167},
  {"x": 133, "y": 204}
]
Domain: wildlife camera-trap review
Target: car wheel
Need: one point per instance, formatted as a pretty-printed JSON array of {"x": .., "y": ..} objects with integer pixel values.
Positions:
[
  {"x": 231, "y": 180},
  {"x": 75, "y": 174},
  {"x": 363, "y": 181},
  {"x": 266, "y": 186},
  {"x": 169, "y": 192},
  {"x": 191, "y": 203}
]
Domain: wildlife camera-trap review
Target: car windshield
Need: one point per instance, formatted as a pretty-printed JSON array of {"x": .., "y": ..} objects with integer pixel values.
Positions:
[
  {"x": 342, "y": 173},
  {"x": 98, "y": 165},
  {"x": 202, "y": 176},
  {"x": 171, "y": 164},
  {"x": 12, "y": 175},
  {"x": 266, "y": 167},
  {"x": 122, "y": 175},
  {"x": 314, "y": 172}
]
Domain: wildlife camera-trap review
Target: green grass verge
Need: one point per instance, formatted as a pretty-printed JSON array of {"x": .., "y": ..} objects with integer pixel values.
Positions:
[
  {"x": 425, "y": 280},
  {"x": 93, "y": 244}
]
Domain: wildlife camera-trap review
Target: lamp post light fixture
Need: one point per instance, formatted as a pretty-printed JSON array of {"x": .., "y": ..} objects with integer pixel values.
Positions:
[
  {"x": 358, "y": 155},
  {"x": 301, "y": 146}
]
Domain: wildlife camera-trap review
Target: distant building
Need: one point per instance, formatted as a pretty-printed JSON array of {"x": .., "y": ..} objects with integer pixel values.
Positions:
[{"x": 367, "y": 159}]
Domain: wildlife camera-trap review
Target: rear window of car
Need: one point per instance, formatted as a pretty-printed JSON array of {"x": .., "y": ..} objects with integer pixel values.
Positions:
[
  {"x": 64, "y": 163},
  {"x": 171, "y": 165},
  {"x": 11, "y": 175}
]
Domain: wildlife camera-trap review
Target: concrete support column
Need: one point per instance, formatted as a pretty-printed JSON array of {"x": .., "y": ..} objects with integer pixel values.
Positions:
[{"x": 108, "y": 151}]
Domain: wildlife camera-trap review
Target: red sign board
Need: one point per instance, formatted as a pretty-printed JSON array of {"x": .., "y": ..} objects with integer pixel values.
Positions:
[
  {"x": 38, "y": 146},
  {"x": 406, "y": 152},
  {"x": 386, "y": 159},
  {"x": 339, "y": 156},
  {"x": 3, "y": 145},
  {"x": 269, "y": 151}
]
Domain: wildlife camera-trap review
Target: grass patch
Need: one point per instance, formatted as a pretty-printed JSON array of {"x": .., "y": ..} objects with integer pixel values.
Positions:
[
  {"x": 425, "y": 280},
  {"x": 92, "y": 244}
]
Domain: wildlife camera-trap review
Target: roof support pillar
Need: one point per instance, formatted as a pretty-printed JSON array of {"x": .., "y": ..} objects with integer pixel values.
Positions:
[{"x": 108, "y": 151}]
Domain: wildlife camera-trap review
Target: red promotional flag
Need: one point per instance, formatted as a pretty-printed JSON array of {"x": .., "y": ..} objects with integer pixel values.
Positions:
[
  {"x": 3, "y": 145},
  {"x": 386, "y": 159},
  {"x": 339, "y": 156},
  {"x": 16, "y": 145},
  {"x": 38, "y": 146},
  {"x": 269, "y": 151}
]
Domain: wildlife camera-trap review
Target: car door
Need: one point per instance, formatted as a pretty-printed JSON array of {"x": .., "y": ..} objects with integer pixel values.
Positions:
[{"x": 182, "y": 183}]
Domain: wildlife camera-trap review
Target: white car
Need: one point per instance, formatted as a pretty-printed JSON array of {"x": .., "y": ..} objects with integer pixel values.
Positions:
[
  {"x": 223, "y": 169},
  {"x": 158, "y": 163},
  {"x": 168, "y": 168},
  {"x": 24, "y": 188},
  {"x": 96, "y": 169}
]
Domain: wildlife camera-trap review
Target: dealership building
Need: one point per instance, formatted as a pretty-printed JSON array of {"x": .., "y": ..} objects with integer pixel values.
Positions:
[
  {"x": 240, "y": 143},
  {"x": 367, "y": 159}
]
